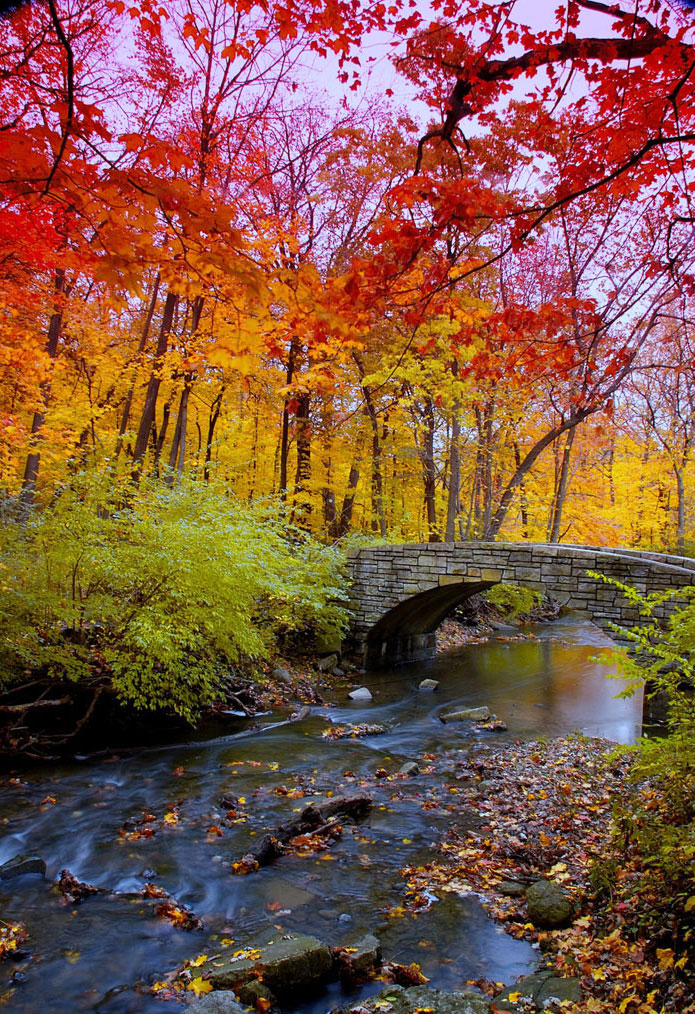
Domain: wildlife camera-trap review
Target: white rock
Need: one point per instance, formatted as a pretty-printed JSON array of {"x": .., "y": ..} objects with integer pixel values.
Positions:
[{"x": 361, "y": 694}]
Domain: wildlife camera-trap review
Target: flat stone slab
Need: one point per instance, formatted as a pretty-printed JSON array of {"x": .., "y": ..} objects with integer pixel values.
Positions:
[
  {"x": 287, "y": 964},
  {"x": 540, "y": 988},
  {"x": 19, "y": 865},
  {"x": 468, "y": 714},
  {"x": 418, "y": 998}
]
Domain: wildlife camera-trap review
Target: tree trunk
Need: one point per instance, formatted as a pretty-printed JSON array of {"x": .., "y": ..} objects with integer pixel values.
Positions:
[
  {"x": 522, "y": 494},
  {"x": 680, "y": 530},
  {"x": 528, "y": 462},
  {"x": 178, "y": 444},
  {"x": 378, "y": 516},
  {"x": 345, "y": 521},
  {"x": 429, "y": 475},
  {"x": 215, "y": 409},
  {"x": 148, "y": 411},
  {"x": 158, "y": 441},
  {"x": 561, "y": 491},
  {"x": 285, "y": 434},
  {"x": 302, "y": 477},
  {"x": 141, "y": 348},
  {"x": 55, "y": 325},
  {"x": 453, "y": 506}
]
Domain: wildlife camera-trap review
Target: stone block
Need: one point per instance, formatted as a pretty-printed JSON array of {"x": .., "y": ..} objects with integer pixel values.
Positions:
[
  {"x": 490, "y": 574},
  {"x": 527, "y": 573}
]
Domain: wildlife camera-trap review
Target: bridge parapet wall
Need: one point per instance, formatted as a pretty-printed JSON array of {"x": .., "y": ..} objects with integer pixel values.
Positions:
[{"x": 401, "y": 593}]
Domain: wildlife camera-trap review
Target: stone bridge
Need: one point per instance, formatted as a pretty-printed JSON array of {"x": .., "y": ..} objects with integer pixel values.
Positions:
[{"x": 401, "y": 593}]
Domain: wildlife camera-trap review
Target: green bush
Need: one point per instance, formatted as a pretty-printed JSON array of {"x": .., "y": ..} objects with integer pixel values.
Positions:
[
  {"x": 655, "y": 835},
  {"x": 157, "y": 589},
  {"x": 513, "y": 600}
]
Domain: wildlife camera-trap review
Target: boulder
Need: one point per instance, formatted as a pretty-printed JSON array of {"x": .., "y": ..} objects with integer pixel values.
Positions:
[
  {"x": 360, "y": 961},
  {"x": 549, "y": 905},
  {"x": 360, "y": 694},
  {"x": 251, "y": 992},
  {"x": 284, "y": 675},
  {"x": 428, "y": 685},
  {"x": 410, "y": 768},
  {"x": 468, "y": 714},
  {"x": 540, "y": 988},
  {"x": 328, "y": 663},
  {"x": 21, "y": 864},
  {"x": 217, "y": 1002},
  {"x": 407, "y": 1001},
  {"x": 289, "y": 965}
]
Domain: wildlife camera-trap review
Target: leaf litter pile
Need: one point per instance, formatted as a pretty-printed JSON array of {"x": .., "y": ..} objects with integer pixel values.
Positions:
[{"x": 546, "y": 811}]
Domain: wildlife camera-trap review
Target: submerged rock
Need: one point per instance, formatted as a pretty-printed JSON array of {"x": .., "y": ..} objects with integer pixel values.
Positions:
[
  {"x": 428, "y": 685},
  {"x": 21, "y": 864},
  {"x": 541, "y": 988},
  {"x": 465, "y": 714},
  {"x": 361, "y": 694},
  {"x": 410, "y": 768},
  {"x": 549, "y": 905},
  {"x": 289, "y": 965},
  {"x": 407, "y": 1001}
]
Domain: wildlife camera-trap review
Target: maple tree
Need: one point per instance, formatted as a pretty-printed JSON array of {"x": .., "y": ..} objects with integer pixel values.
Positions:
[{"x": 190, "y": 197}]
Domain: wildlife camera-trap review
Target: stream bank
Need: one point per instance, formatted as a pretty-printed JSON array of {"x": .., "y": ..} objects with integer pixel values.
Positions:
[{"x": 163, "y": 817}]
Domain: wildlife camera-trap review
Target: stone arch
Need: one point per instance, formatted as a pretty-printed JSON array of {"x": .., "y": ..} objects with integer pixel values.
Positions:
[
  {"x": 400, "y": 593},
  {"x": 406, "y": 632}
]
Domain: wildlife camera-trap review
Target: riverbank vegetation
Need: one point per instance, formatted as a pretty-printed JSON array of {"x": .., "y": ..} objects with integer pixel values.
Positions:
[{"x": 154, "y": 595}]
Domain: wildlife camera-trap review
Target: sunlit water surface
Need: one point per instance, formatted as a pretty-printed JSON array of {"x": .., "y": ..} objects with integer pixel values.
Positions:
[{"x": 98, "y": 955}]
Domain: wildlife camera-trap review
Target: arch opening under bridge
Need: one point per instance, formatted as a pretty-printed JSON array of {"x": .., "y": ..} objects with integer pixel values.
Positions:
[{"x": 401, "y": 593}]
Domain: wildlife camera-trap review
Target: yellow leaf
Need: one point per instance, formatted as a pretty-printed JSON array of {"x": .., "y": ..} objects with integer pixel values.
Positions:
[
  {"x": 664, "y": 957},
  {"x": 200, "y": 960},
  {"x": 200, "y": 986},
  {"x": 513, "y": 997}
]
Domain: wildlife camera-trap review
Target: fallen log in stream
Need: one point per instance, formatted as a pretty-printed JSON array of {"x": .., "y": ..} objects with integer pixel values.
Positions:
[{"x": 315, "y": 819}]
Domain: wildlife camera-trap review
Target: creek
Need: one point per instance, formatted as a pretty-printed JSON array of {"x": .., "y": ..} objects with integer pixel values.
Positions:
[{"x": 92, "y": 956}]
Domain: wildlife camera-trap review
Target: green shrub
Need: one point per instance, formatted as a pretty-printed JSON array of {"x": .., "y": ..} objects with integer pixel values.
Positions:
[
  {"x": 655, "y": 835},
  {"x": 157, "y": 589},
  {"x": 513, "y": 600}
]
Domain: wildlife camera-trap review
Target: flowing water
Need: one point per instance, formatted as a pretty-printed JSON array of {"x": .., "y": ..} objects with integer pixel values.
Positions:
[{"x": 98, "y": 955}]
